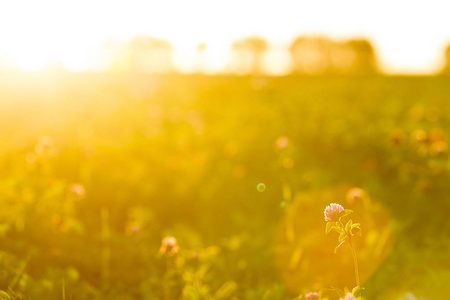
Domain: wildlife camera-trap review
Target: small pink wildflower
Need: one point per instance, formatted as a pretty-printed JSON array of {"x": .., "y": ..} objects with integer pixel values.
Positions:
[
  {"x": 312, "y": 296},
  {"x": 438, "y": 148},
  {"x": 77, "y": 189},
  {"x": 419, "y": 136},
  {"x": 133, "y": 228},
  {"x": 282, "y": 142},
  {"x": 348, "y": 296},
  {"x": 332, "y": 212},
  {"x": 169, "y": 245},
  {"x": 45, "y": 146},
  {"x": 354, "y": 194}
]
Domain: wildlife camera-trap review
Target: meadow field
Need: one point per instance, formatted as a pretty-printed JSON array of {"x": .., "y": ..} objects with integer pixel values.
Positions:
[{"x": 98, "y": 169}]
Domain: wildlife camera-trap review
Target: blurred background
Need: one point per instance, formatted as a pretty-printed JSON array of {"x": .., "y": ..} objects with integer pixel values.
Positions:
[{"x": 188, "y": 149}]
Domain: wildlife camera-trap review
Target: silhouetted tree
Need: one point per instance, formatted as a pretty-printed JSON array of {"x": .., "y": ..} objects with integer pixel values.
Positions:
[
  {"x": 310, "y": 55},
  {"x": 446, "y": 68},
  {"x": 150, "y": 55},
  {"x": 201, "y": 58},
  {"x": 364, "y": 61},
  {"x": 319, "y": 55},
  {"x": 248, "y": 55}
]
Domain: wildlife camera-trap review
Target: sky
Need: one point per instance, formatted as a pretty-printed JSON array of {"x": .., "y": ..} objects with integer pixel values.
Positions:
[{"x": 408, "y": 36}]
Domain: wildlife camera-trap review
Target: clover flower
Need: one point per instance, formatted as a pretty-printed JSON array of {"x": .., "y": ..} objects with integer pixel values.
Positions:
[
  {"x": 169, "y": 245},
  {"x": 77, "y": 189},
  {"x": 438, "y": 148},
  {"x": 354, "y": 194},
  {"x": 348, "y": 296},
  {"x": 312, "y": 296},
  {"x": 282, "y": 142},
  {"x": 419, "y": 136},
  {"x": 333, "y": 212},
  {"x": 133, "y": 228}
]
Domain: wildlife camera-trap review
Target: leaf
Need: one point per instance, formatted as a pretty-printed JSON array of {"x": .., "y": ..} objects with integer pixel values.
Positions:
[
  {"x": 340, "y": 244},
  {"x": 4, "y": 295},
  {"x": 348, "y": 225},
  {"x": 356, "y": 225},
  {"x": 357, "y": 290},
  {"x": 340, "y": 292},
  {"x": 346, "y": 290},
  {"x": 189, "y": 292},
  {"x": 342, "y": 237},
  {"x": 226, "y": 290},
  {"x": 346, "y": 212},
  {"x": 295, "y": 258},
  {"x": 329, "y": 227},
  {"x": 338, "y": 229}
]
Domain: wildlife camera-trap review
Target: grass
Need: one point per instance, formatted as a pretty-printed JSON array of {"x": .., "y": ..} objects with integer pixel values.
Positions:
[{"x": 183, "y": 156}]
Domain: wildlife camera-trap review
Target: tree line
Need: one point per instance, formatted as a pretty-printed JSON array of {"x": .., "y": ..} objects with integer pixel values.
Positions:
[
  {"x": 446, "y": 69},
  {"x": 313, "y": 55},
  {"x": 308, "y": 55}
]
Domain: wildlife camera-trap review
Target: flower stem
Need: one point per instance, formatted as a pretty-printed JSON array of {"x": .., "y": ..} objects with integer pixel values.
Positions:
[{"x": 355, "y": 261}]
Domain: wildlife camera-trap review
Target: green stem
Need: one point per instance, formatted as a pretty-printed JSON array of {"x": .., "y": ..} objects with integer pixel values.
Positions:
[
  {"x": 355, "y": 261},
  {"x": 105, "y": 247}
]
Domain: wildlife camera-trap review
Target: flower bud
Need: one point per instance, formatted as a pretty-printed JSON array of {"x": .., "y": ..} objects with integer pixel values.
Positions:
[
  {"x": 312, "y": 296},
  {"x": 333, "y": 212},
  {"x": 169, "y": 245}
]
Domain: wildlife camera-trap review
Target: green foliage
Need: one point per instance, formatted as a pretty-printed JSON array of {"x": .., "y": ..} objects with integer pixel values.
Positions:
[
  {"x": 329, "y": 227},
  {"x": 181, "y": 155},
  {"x": 4, "y": 295},
  {"x": 357, "y": 291}
]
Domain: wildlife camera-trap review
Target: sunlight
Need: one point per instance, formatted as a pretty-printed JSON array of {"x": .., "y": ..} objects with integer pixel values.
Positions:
[
  {"x": 71, "y": 33},
  {"x": 277, "y": 61},
  {"x": 74, "y": 58},
  {"x": 30, "y": 62},
  {"x": 28, "y": 53},
  {"x": 198, "y": 149},
  {"x": 77, "y": 59},
  {"x": 215, "y": 59}
]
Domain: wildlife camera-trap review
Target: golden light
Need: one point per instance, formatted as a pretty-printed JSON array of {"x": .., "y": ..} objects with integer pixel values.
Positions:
[{"x": 35, "y": 34}]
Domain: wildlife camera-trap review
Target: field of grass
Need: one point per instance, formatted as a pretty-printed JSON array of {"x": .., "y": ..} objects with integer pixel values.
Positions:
[{"x": 96, "y": 170}]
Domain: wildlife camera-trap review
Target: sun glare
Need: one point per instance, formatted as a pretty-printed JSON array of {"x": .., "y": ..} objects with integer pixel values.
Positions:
[
  {"x": 28, "y": 54},
  {"x": 72, "y": 59},
  {"x": 30, "y": 63},
  {"x": 70, "y": 34}
]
